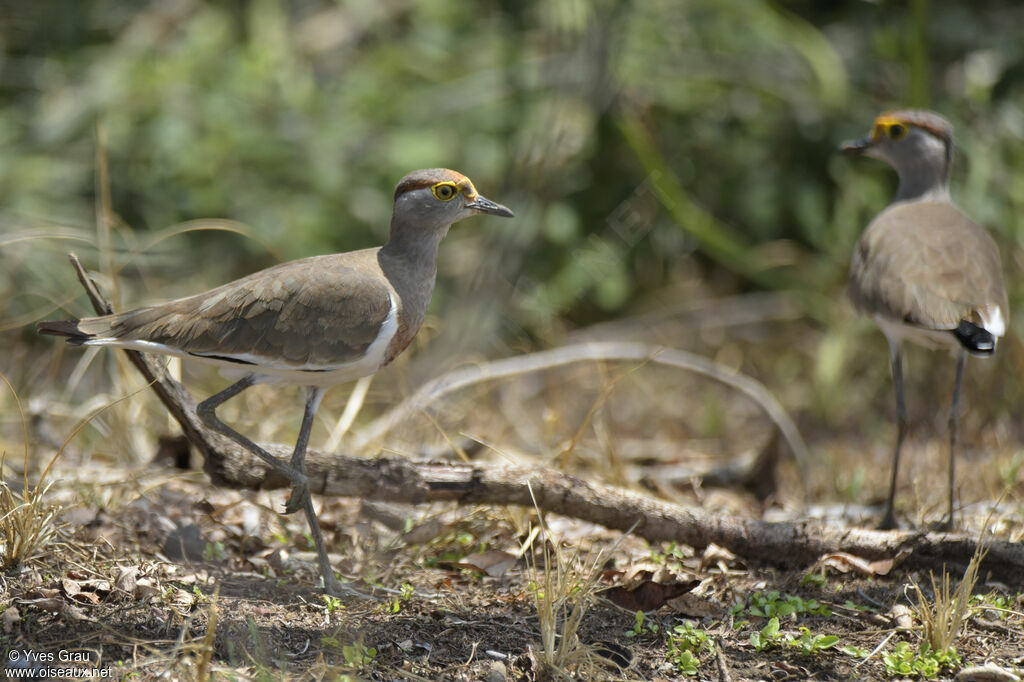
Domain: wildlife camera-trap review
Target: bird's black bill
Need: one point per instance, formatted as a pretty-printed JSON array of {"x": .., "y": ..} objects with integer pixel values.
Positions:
[
  {"x": 856, "y": 146},
  {"x": 484, "y": 205}
]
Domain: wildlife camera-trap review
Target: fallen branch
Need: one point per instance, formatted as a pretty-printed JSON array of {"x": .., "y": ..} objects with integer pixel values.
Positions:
[{"x": 397, "y": 479}]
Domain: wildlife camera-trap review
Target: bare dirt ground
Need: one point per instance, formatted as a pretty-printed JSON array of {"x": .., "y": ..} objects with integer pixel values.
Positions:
[{"x": 138, "y": 590}]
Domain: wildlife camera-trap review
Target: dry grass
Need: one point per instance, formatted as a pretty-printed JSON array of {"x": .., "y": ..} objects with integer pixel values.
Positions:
[
  {"x": 563, "y": 589},
  {"x": 29, "y": 525},
  {"x": 943, "y": 617}
]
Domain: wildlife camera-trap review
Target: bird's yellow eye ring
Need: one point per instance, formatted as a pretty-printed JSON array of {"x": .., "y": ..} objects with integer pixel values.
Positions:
[
  {"x": 445, "y": 191},
  {"x": 896, "y": 131}
]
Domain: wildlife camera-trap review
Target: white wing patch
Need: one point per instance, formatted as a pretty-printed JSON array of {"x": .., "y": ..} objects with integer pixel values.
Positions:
[{"x": 992, "y": 320}]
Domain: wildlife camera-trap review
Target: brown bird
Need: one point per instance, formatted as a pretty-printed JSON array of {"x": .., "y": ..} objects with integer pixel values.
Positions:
[
  {"x": 922, "y": 269},
  {"x": 314, "y": 322}
]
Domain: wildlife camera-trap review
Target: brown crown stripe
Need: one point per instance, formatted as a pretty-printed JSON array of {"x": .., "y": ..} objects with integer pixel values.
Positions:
[
  {"x": 926, "y": 120},
  {"x": 428, "y": 178}
]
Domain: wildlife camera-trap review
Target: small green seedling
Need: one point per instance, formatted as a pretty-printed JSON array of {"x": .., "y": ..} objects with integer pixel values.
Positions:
[
  {"x": 767, "y": 636},
  {"x": 903, "y": 661},
  {"x": 855, "y": 652},
  {"x": 214, "y": 551},
  {"x": 773, "y": 604},
  {"x": 685, "y": 662},
  {"x": 332, "y": 604},
  {"x": 201, "y": 597},
  {"x": 358, "y": 655},
  {"x": 814, "y": 579},
  {"x": 673, "y": 553},
  {"x": 396, "y": 604},
  {"x": 810, "y": 643},
  {"x": 686, "y": 644},
  {"x": 641, "y": 626},
  {"x": 859, "y": 607},
  {"x": 998, "y": 605}
]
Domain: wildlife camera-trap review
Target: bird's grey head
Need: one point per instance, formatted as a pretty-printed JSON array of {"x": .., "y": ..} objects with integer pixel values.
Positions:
[
  {"x": 429, "y": 201},
  {"x": 917, "y": 143}
]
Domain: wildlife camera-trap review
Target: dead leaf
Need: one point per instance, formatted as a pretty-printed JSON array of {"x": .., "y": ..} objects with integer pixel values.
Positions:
[
  {"x": 986, "y": 673},
  {"x": 793, "y": 670},
  {"x": 649, "y": 595},
  {"x": 901, "y": 616},
  {"x": 146, "y": 589},
  {"x": 884, "y": 566},
  {"x": 277, "y": 560},
  {"x": 497, "y": 672},
  {"x": 493, "y": 562},
  {"x": 183, "y": 598},
  {"x": 844, "y": 562},
  {"x": 425, "y": 532},
  {"x": 87, "y": 597},
  {"x": 716, "y": 556},
  {"x": 50, "y": 604},
  {"x": 96, "y": 585},
  {"x": 10, "y": 618},
  {"x": 126, "y": 579},
  {"x": 71, "y": 587},
  {"x": 693, "y": 606},
  {"x": 647, "y": 586},
  {"x": 73, "y": 612}
]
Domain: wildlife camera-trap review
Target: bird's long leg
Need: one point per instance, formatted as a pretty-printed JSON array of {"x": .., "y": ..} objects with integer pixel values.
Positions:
[
  {"x": 888, "y": 521},
  {"x": 300, "y": 492},
  {"x": 207, "y": 411},
  {"x": 301, "y": 499},
  {"x": 295, "y": 470},
  {"x": 961, "y": 360},
  {"x": 331, "y": 584}
]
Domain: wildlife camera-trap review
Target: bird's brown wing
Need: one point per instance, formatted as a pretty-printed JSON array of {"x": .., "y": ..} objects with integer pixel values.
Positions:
[
  {"x": 317, "y": 312},
  {"x": 927, "y": 264}
]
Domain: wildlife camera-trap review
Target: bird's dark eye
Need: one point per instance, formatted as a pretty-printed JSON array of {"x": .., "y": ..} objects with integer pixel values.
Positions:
[
  {"x": 445, "y": 191},
  {"x": 897, "y": 130}
]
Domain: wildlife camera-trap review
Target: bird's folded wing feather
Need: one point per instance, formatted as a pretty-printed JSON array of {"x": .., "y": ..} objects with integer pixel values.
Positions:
[
  {"x": 317, "y": 312},
  {"x": 929, "y": 265}
]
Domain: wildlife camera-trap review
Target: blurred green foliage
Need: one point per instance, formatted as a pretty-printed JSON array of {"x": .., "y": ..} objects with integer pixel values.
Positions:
[{"x": 640, "y": 143}]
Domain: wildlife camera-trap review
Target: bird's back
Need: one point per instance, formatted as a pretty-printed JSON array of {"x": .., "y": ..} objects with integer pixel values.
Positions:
[
  {"x": 926, "y": 264},
  {"x": 314, "y": 314}
]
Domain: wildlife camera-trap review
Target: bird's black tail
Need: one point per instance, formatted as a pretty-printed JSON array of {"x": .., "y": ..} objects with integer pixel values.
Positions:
[
  {"x": 976, "y": 340},
  {"x": 66, "y": 328}
]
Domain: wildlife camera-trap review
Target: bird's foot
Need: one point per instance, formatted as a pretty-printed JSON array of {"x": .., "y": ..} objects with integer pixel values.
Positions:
[
  {"x": 888, "y": 521},
  {"x": 336, "y": 588},
  {"x": 297, "y": 500},
  {"x": 943, "y": 526}
]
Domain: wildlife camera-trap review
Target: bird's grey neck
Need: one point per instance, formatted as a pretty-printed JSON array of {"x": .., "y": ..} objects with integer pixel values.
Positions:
[
  {"x": 922, "y": 182},
  {"x": 409, "y": 261},
  {"x": 926, "y": 174},
  {"x": 414, "y": 245}
]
